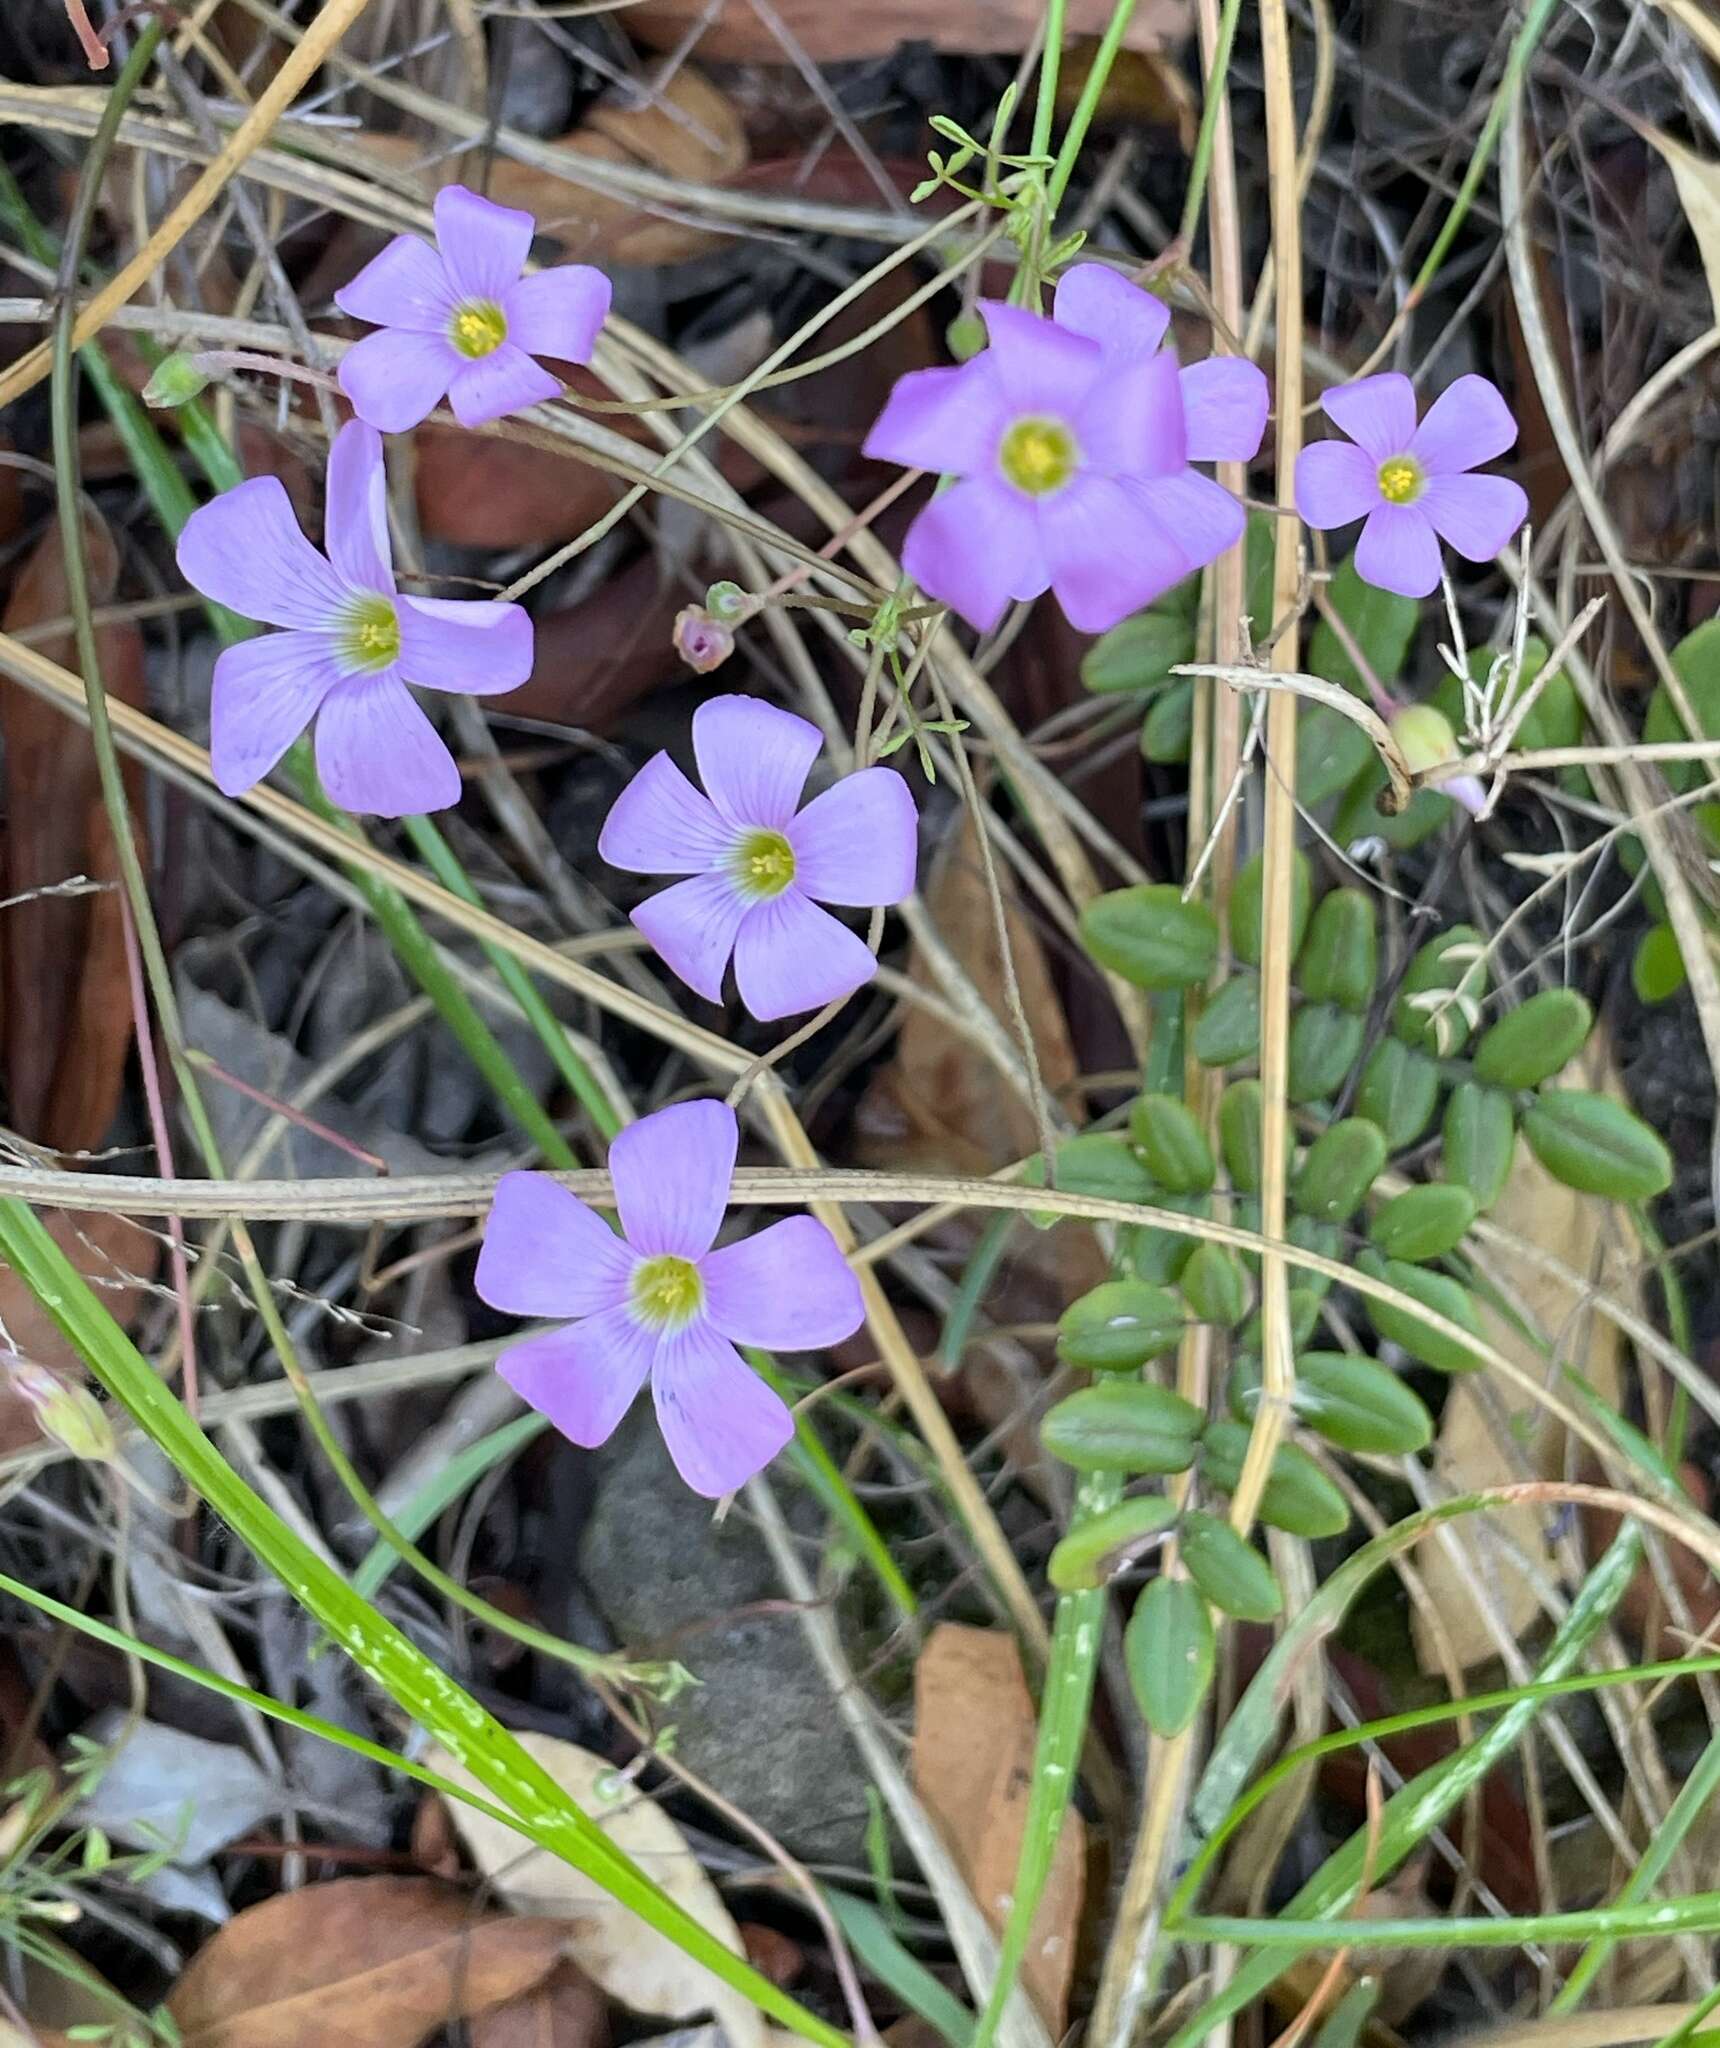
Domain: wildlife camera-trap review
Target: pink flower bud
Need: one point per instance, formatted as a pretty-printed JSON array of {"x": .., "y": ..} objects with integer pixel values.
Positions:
[
  {"x": 66, "y": 1413},
  {"x": 702, "y": 642}
]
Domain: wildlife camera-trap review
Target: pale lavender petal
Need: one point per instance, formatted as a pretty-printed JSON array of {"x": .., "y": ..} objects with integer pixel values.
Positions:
[
  {"x": 788, "y": 1289},
  {"x": 245, "y": 550},
  {"x": 661, "y": 825},
  {"x": 476, "y": 646},
  {"x": 395, "y": 379},
  {"x": 1378, "y": 413},
  {"x": 266, "y": 693},
  {"x": 857, "y": 842},
  {"x": 1467, "y": 424},
  {"x": 753, "y": 759},
  {"x": 791, "y": 956},
  {"x": 1043, "y": 367},
  {"x": 1466, "y": 790},
  {"x": 1132, "y": 422},
  {"x": 506, "y": 380},
  {"x": 693, "y": 927},
  {"x": 558, "y": 312},
  {"x": 1100, "y": 303},
  {"x": 972, "y": 547},
  {"x": 355, "y": 512},
  {"x": 405, "y": 286},
  {"x": 1035, "y": 579},
  {"x": 722, "y": 1424},
  {"x": 1108, "y": 554},
  {"x": 547, "y": 1253},
  {"x": 942, "y": 420},
  {"x": 1399, "y": 550},
  {"x": 1224, "y": 403},
  {"x": 485, "y": 246},
  {"x": 672, "y": 1171},
  {"x": 1479, "y": 515},
  {"x": 377, "y": 752},
  {"x": 1199, "y": 515},
  {"x": 582, "y": 1377},
  {"x": 1336, "y": 482}
]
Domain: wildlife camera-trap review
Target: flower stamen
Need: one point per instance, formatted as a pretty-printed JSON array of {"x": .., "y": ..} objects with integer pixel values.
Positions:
[
  {"x": 1401, "y": 480},
  {"x": 763, "y": 865},
  {"x": 1038, "y": 456},
  {"x": 370, "y": 635},
  {"x": 478, "y": 329},
  {"x": 667, "y": 1292}
]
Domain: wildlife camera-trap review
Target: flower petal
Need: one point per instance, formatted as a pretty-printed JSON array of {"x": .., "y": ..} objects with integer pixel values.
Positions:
[
  {"x": 506, "y": 380},
  {"x": 547, "y": 1253},
  {"x": 245, "y": 550},
  {"x": 1108, "y": 554},
  {"x": 476, "y": 646},
  {"x": 1042, "y": 367},
  {"x": 395, "y": 379},
  {"x": 407, "y": 285},
  {"x": 972, "y": 547},
  {"x": 858, "y": 841},
  {"x": 378, "y": 753},
  {"x": 1479, "y": 515},
  {"x": 1466, "y": 425},
  {"x": 672, "y": 1171},
  {"x": 1200, "y": 515},
  {"x": 355, "y": 511},
  {"x": 722, "y": 1424},
  {"x": 1132, "y": 423},
  {"x": 1100, "y": 303},
  {"x": 1336, "y": 482},
  {"x": 693, "y": 927},
  {"x": 558, "y": 312},
  {"x": 266, "y": 693},
  {"x": 788, "y": 1288},
  {"x": 1399, "y": 550},
  {"x": 791, "y": 956},
  {"x": 582, "y": 1377},
  {"x": 1378, "y": 413},
  {"x": 753, "y": 759},
  {"x": 942, "y": 420},
  {"x": 1224, "y": 404},
  {"x": 661, "y": 825},
  {"x": 485, "y": 246}
]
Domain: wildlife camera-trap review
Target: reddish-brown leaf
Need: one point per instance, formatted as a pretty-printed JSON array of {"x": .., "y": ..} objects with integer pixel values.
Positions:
[{"x": 565, "y": 2011}]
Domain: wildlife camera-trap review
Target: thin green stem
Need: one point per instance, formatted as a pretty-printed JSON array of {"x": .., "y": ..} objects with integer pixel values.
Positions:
[
  {"x": 1699, "y": 1913},
  {"x": 1201, "y": 168},
  {"x": 1098, "y": 76},
  {"x": 1050, "y": 64}
]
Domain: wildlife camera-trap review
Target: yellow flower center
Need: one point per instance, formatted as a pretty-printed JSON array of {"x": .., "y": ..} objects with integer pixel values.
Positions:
[
  {"x": 370, "y": 635},
  {"x": 479, "y": 328},
  {"x": 763, "y": 865},
  {"x": 1401, "y": 480},
  {"x": 667, "y": 1292},
  {"x": 1038, "y": 456}
]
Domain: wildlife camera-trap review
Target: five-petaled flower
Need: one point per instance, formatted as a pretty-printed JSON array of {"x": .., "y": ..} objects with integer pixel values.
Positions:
[
  {"x": 351, "y": 644},
  {"x": 759, "y": 867},
  {"x": 1412, "y": 484},
  {"x": 459, "y": 319},
  {"x": 1072, "y": 438},
  {"x": 658, "y": 1303}
]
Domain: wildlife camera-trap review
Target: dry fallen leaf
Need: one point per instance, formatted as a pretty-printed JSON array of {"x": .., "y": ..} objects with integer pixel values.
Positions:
[
  {"x": 565, "y": 2011},
  {"x": 1698, "y": 182},
  {"x": 739, "y": 33}
]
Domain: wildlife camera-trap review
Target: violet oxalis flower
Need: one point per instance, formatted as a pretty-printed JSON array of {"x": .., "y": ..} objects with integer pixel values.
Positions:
[
  {"x": 459, "y": 319},
  {"x": 759, "y": 867},
  {"x": 351, "y": 643},
  {"x": 658, "y": 1303},
  {"x": 1072, "y": 438},
  {"x": 1412, "y": 484}
]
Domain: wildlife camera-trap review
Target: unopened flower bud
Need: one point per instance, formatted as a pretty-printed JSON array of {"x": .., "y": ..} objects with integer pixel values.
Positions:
[
  {"x": 66, "y": 1413},
  {"x": 1424, "y": 737},
  {"x": 727, "y": 602},
  {"x": 965, "y": 336},
  {"x": 702, "y": 642},
  {"x": 176, "y": 379}
]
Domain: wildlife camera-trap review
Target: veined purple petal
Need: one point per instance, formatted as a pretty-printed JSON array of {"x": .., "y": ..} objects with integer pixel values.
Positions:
[
  {"x": 1108, "y": 554},
  {"x": 1098, "y": 302},
  {"x": 857, "y": 842},
  {"x": 661, "y": 825},
  {"x": 942, "y": 420},
  {"x": 355, "y": 511},
  {"x": 266, "y": 693},
  {"x": 1479, "y": 515},
  {"x": 1224, "y": 404},
  {"x": 1042, "y": 367},
  {"x": 506, "y": 380},
  {"x": 485, "y": 246},
  {"x": 558, "y": 312},
  {"x": 1466, "y": 425},
  {"x": 1336, "y": 482},
  {"x": 972, "y": 547},
  {"x": 1378, "y": 413},
  {"x": 1399, "y": 550},
  {"x": 476, "y": 646},
  {"x": 791, "y": 956},
  {"x": 722, "y": 1424},
  {"x": 377, "y": 753},
  {"x": 584, "y": 1376},
  {"x": 693, "y": 927},
  {"x": 672, "y": 1171},
  {"x": 245, "y": 550},
  {"x": 1132, "y": 422},
  {"x": 405, "y": 286},
  {"x": 788, "y": 1288},
  {"x": 547, "y": 1253},
  {"x": 753, "y": 759},
  {"x": 396, "y": 379},
  {"x": 1200, "y": 516}
]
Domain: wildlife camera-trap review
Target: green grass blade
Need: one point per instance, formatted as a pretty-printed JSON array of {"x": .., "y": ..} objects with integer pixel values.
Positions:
[{"x": 877, "y": 1947}]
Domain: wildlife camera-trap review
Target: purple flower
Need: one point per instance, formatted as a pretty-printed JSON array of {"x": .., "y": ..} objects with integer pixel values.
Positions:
[
  {"x": 658, "y": 1303},
  {"x": 702, "y": 642},
  {"x": 760, "y": 867},
  {"x": 351, "y": 644},
  {"x": 1073, "y": 438},
  {"x": 1412, "y": 484},
  {"x": 459, "y": 319}
]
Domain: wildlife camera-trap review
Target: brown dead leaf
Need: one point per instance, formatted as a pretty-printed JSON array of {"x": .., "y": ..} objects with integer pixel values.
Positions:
[
  {"x": 974, "y": 1734},
  {"x": 565, "y": 2011},
  {"x": 382, "y": 1961},
  {"x": 481, "y": 491},
  {"x": 1698, "y": 182},
  {"x": 827, "y": 32}
]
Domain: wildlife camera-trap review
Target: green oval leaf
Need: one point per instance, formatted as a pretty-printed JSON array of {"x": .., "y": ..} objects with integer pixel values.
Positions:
[
  {"x": 1239, "y": 1120},
  {"x": 1140, "y": 653},
  {"x": 1531, "y": 1044},
  {"x": 1339, "y": 961},
  {"x": 1170, "y": 1649},
  {"x": 1228, "y": 1570},
  {"x": 1150, "y": 936},
  {"x": 1298, "y": 1498},
  {"x": 1123, "y": 1426},
  {"x": 1215, "y": 1286},
  {"x": 1168, "y": 1136},
  {"x": 1359, "y": 1405},
  {"x": 1595, "y": 1144},
  {"x": 1338, "y": 1170},
  {"x": 1118, "y": 1326},
  {"x": 1398, "y": 1090},
  {"x": 1098, "y": 1548},
  {"x": 1228, "y": 1027},
  {"x": 1324, "y": 1042},
  {"x": 1657, "y": 965},
  {"x": 1167, "y": 731},
  {"x": 1437, "y": 997},
  {"x": 1479, "y": 1137},
  {"x": 1246, "y": 932},
  {"x": 1094, "y": 1163},
  {"x": 1436, "y": 1291},
  {"x": 1423, "y": 1223}
]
